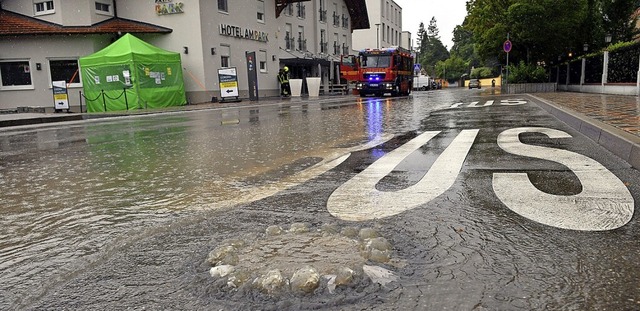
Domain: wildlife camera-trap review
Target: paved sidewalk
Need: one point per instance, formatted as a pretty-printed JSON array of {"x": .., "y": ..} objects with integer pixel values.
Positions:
[
  {"x": 30, "y": 118},
  {"x": 613, "y": 121},
  {"x": 620, "y": 111}
]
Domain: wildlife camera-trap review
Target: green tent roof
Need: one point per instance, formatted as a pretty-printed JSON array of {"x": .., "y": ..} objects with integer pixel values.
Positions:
[{"x": 129, "y": 48}]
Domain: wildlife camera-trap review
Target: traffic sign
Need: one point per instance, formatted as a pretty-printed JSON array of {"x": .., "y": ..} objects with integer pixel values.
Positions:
[{"x": 507, "y": 46}]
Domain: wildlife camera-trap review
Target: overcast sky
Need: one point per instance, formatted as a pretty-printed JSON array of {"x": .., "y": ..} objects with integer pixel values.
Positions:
[{"x": 448, "y": 14}]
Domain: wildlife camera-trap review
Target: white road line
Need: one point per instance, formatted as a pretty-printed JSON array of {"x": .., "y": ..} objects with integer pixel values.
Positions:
[
  {"x": 358, "y": 199},
  {"x": 605, "y": 203},
  {"x": 329, "y": 162}
]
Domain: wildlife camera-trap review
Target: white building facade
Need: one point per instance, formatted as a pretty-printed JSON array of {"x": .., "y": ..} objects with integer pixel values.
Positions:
[
  {"x": 385, "y": 19},
  {"x": 41, "y": 41}
]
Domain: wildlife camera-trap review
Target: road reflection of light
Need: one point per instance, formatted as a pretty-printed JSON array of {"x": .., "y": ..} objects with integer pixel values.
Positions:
[
  {"x": 374, "y": 118},
  {"x": 377, "y": 153}
]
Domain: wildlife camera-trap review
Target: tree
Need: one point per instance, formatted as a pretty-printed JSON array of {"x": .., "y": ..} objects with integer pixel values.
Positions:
[
  {"x": 618, "y": 19},
  {"x": 431, "y": 48},
  {"x": 543, "y": 30},
  {"x": 432, "y": 30},
  {"x": 539, "y": 29},
  {"x": 422, "y": 44},
  {"x": 463, "y": 47},
  {"x": 452, "y": 69}
]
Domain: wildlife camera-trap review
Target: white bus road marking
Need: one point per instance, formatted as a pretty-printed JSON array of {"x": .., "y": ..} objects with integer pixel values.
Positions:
[
  {"x": 504, "y": 102},
  {"x": 358, "y": 199},
  {"x": 605, "y": 203}
]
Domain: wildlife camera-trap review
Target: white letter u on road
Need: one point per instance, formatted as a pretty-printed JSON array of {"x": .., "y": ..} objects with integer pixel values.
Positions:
[
  {"x": 358, "y": 199},
  {"x": 605, "y": 203}
]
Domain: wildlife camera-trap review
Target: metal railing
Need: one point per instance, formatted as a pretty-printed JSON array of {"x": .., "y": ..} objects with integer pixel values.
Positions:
[
  {"x": 104, "y": 98},
  {"x": 323, "y": 15}
]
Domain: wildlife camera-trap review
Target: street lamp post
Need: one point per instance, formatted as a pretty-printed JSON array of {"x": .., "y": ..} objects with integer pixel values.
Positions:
[{"x": 377, "y": 36}]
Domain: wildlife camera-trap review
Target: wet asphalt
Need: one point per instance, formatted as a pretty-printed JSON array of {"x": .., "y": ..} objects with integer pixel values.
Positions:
[{"x": 465, "y": 249}]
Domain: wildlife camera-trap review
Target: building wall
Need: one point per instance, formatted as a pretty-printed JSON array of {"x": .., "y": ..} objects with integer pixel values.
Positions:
[
  {"x": 41, "y": 50},
  {"x": 385, "y": 18},
  {"x": 198, "y": 29},
  {"x": 406, "y": 41},
  {"x": 66, "y": 13}
]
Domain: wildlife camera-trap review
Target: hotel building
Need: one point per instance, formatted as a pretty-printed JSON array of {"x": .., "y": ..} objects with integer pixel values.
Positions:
[{"x": 41, "y": 41}]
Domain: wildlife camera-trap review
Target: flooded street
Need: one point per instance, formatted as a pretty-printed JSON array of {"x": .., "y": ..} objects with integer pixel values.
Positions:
[
  {"x": 70, "y": 192},
  {"x": 122, "y": 213}
]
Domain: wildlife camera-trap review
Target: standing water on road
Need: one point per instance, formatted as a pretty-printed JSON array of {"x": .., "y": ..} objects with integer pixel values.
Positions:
[{"x": 74, "y": 193}]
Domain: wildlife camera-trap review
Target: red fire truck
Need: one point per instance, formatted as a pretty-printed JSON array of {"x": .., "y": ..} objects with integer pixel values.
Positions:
[{"x": 380, "y": 71}]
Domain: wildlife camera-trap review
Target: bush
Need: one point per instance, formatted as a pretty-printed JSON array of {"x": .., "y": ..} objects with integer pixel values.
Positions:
[
  {"x": 523, "y": 73},
  {"x": 482, "y": 72}
]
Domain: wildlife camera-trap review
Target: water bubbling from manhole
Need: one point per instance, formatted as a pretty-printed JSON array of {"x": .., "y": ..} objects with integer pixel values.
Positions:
[{"x": 299, "y": 259}]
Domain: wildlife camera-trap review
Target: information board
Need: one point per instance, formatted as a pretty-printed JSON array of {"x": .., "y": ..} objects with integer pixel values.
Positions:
[
  {"x": 228, "y": 79},
  {"x": 60, "y": 95}
]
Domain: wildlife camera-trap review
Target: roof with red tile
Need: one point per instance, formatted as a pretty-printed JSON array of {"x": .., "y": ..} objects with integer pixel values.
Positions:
[{"x": 14, "y": 24}]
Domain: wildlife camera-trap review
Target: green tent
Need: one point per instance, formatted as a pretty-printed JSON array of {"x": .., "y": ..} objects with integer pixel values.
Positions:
[{"x": 132, "y": 74}]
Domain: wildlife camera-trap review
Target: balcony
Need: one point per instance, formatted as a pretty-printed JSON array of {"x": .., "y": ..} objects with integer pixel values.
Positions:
[
  {"x": 301, "y": 12},
  {"x": 302, "y": 45},
  {"x": 345, "y": 49},
  {"x": 289, "y": 42},
  {"x": 324, "y": 47},
  {"x": 323, "y": 15}
]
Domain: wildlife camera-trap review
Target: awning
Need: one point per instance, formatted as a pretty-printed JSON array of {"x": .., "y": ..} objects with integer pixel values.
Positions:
[{"x": 304, "y": 61}]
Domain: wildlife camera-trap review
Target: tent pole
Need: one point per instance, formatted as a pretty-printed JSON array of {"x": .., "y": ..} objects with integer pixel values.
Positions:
[
  {"x": 126, "y": 102},
  {"x": 104, "y": 101}
]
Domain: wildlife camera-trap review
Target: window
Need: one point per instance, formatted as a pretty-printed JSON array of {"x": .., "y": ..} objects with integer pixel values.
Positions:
[
  {"x": 302, "y": 42},
  {"x": 225, "y": 53},
  {"x": 288, "y": 10},
  {"x": 388, "y": 34},
  {"x": 103, "y": 8},
  {"x": 263, "y": 61},
  {"x": 222, "y": 6},
  {"x": 323, "y": 42},
  {"x": 386, "y": 9},
  {"x": 288, "y": 37},
  {"x": 323, "y": 11},
  {"x": 345, "y": 48},
  {"x": 301, "y": 11},
  {"x": 15, "y": 74},
  {"x": 43, "y": 7},
  {"x": 261, "y": 11},
  {"x": 65, "y": 69}
]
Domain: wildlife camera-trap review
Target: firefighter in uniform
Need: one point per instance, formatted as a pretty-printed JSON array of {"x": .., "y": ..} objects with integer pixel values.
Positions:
[{"x": 283, "y": 79}]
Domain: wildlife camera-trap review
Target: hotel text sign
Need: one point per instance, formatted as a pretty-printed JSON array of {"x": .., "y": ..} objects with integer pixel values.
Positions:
[{"x": 238, "y": 32}]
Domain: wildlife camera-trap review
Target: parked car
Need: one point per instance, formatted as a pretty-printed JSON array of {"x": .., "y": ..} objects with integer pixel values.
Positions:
[{"x": 474, "y": 83}]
